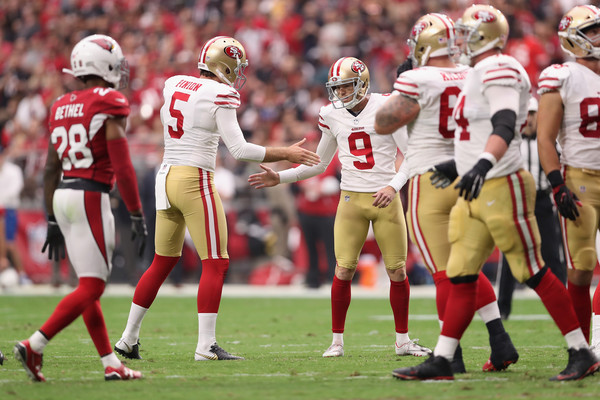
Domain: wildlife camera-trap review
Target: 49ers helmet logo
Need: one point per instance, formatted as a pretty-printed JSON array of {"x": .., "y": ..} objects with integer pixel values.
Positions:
[
  {"x": 418, "y": 28},
  {"x": 357, "y": 67},
  {"x": 105, "y": 44},
  {"x": 233, "y": 51},
  {"x": 484, "y": 16},
  {"x": 565, "y": 22}
]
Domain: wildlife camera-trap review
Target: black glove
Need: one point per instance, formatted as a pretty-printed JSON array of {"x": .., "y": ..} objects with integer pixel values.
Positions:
[
  {"x": 139, "y": 232},
  {"x": 566, "y": 201},
  {"x": 405, "y": 66},
  {"x": 55, "y": 241},
  {"x": 443, "y": 174},
  {"x": 470, "y": 184}
]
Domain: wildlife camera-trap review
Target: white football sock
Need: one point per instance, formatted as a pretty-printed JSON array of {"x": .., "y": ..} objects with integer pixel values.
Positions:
[
  {"x": 489, "y": 312},
  {"x": 110, "y": 360},
  {"x": 338, "y": 338},
  {"x": 38, "y": 342},
  {"x": 402, "y": 338},
  {"x": 131, "y": 334},
  {"x": 596, "y": 330},
  {"x": 446, "y": 347},
  {"x": 576, "y": 340},
  {"x": 207, "y": 325}
]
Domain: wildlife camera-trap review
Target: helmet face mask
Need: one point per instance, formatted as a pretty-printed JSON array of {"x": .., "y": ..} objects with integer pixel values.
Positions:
[
  {"x": 100, "y": 55},
  {"x": 433, "y": 35},
  {"x": 345, "y": 72},
  {"x": 578, "y": 32},
  {"x": 226, "y": 58},
  {"x": 481, "y": 28}
]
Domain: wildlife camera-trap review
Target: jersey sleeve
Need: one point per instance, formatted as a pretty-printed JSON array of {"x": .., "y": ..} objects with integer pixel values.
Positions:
[
  {"x": 112, "y": 103},
  {"x": 407, "y": 86},
  {"x": 501, "y": 74},
  {"x": 552, "y": 78},
  {"x": 228, "y": 98}
]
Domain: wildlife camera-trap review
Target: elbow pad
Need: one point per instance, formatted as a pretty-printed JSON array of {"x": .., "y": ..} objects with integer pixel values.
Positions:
[{"x": 504, "y": 122}]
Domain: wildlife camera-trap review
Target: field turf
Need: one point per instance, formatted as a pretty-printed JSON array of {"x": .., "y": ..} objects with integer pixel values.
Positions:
[{"x": 283, "y": 340}]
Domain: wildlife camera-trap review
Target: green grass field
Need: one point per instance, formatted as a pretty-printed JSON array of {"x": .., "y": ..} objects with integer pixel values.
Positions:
[{"x": 282, "y": 340}]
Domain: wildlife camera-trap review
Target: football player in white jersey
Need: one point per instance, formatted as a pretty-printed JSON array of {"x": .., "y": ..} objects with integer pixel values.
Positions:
[
  {"x": 423, "y": 100},
  {"x": 496, "y": 198},
  {"x": 569, "y": 110},
  {"x": 198, "y": 111},
  {"x": 369, "y": 195}
]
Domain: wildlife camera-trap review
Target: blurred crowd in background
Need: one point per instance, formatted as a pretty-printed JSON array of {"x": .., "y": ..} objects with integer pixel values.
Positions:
[{"x": 290, "y": 47}]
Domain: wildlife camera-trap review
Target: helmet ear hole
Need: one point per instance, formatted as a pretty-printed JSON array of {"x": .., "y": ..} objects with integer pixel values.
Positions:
[{"x": 227, "y": 71}]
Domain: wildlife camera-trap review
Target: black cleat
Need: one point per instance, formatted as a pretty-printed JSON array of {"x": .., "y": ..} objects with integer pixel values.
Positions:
[
  {"x": 434, "y": 368},
  {"x": 216, "y": 353},
  {"x": 2, "y": 358},
  {"x": 127, "y": 350},
  {"x": 581, "y": 363},
  {"x": 457, "y": 364},
  {"x": 503, "y": 353}
]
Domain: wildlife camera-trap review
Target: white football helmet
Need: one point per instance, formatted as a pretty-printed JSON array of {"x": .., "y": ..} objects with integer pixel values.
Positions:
[
  {"x": 226, "y": 58},
  {"x": 432, "y": 35},
  {"x": 571, "y": 31},
  {"x": 100, "y": 55},
  {"x": 347, "y": 70},
  {"x": 481, "y": 28}
]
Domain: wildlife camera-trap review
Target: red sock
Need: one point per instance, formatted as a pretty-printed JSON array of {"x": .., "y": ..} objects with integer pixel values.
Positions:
[
  {"x": 153, "y": 278},
  {"x": 94, "y": 322},
  {"x": 399, "y": 299},
  {"x": 211, "y": 284},
  {"x": 580, "y": 296},
  {"x": 442, "y": 291},
  {"x": 460, "y": 309},
  {"x": 72, "y": 305},
  {"x": 556, "y": 299},
  {"x": 485, "y": 292},
  {"x": 340, "y": 301}
]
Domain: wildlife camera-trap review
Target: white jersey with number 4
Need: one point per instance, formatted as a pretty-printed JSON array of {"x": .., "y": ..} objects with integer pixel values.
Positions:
[
  {"x": 188, "y": 116},
  {"x": 473, "y": 116},
  {"x": 579, "y": 135},
  {"x": 431, "y": 134}
]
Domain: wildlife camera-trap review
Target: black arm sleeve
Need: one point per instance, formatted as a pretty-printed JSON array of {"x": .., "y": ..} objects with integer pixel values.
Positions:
[{"x": 504, "y": 122}]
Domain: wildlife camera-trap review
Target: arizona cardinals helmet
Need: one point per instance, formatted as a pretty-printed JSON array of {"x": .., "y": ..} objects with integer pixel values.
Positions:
[
  {"x": 481, "y": 28},
  {"x": 432, "y": 35},
  {"x": 100, "y": 55},
  {"x": 226, "y": 58},
  {"x": 347, "y": 70},
  {"x": 572, "y": 31}
]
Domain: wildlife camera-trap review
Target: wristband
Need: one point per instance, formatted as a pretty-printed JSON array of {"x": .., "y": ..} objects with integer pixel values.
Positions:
[
  {"x": 555, "y": 178},
  {"x": 489, "y": 156}
]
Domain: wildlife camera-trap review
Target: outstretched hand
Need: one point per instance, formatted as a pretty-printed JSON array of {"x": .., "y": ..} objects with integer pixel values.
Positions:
[
  {"x": 264, "y": 179},
  {"x": 300, "y": 155}
]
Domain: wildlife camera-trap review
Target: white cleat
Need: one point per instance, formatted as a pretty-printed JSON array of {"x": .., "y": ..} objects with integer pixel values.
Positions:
[
  {"x": 412, "y": 348},
  {"x": 335, "y": 350}
]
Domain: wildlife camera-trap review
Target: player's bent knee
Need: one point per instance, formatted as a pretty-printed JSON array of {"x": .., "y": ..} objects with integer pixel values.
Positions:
[
  {"x": 344, "y": 273},
  {"x": 463, "y": 279},
  {"x": 535, "y": 280},
  {"x": 585, "y": 259}
]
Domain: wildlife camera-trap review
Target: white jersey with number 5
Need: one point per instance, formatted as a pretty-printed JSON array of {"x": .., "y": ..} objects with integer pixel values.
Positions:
[
  {"x": 188, "y": 116},
  {"x": 579, "y": 135},
  {"x": 367, "y": 159},
  {"x": 431, "y": 134},
  {"x": 473, "y": 116}
]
